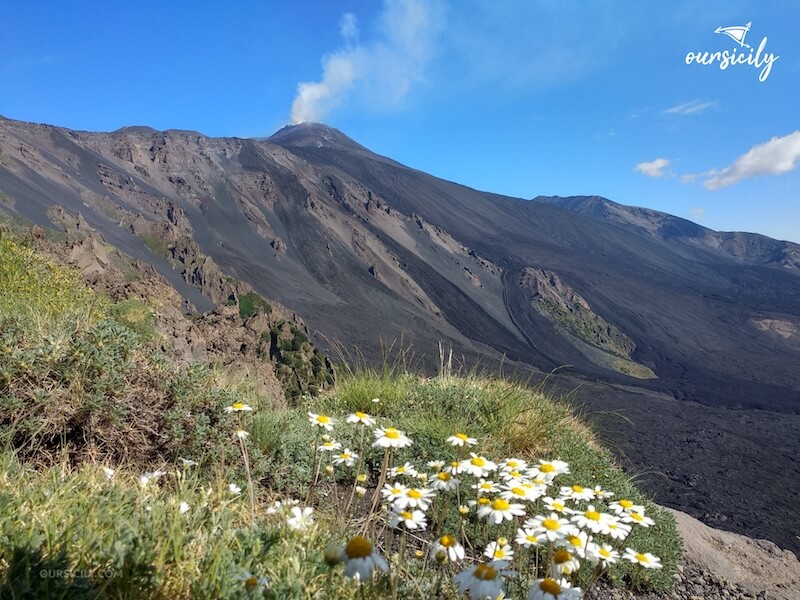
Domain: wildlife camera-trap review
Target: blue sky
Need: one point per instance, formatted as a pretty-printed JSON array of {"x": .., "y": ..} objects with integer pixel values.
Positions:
[{"x": 520, "y": 97}]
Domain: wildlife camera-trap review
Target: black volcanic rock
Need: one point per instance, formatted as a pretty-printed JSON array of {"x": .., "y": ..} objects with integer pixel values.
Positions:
[{"x": 372, "y": 250}]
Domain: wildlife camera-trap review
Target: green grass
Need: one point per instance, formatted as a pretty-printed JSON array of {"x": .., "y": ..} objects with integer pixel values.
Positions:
[{"x": 82, "y": 386}]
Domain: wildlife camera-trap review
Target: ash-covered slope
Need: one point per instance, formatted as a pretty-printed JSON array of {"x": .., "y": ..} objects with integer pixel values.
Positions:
[{"x": 365, "y": 249}]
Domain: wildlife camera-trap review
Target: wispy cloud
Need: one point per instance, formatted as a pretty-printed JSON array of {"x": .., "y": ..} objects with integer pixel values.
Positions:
[
  {"x": 697, "y": 213},
  {"x": 778, "y": 155},
  {"x": 380, "y": 72},
  {"x": 654, "y": 168},
  {"x": 693, "y": 107}
]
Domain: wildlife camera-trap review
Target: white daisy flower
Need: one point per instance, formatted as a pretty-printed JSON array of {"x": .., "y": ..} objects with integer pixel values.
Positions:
[
  {"x": 461, "y": 439},
  {"x": 556, "y": 505},
  {"x": 415, "y": 498},
  {"x": 500, "y": 510},
  {"x": 625, "y": 505},
  {"x": 513, "y": 464},
  {"x": 302, "y": 518},
  {"x": 329, "y": 446},
  {"x": 565, "y": 563},
  {"x": 436, "y": 465},
  {"x": 553, "y": 527},
  {"x": 108, "y": 472},
  {"x": 553, "y": 589},
  {"x": 390, "y": 437},
  {"x": 618, "y": 530},
  {"x": 549, "y": 469},
  {"x": 406, "y": 469},
  {"x": 234, "y": 489},
  {"x": 601, "y": 494},
  {"x": 638, "y": 518},
  {"x": 527, "y": 538},
  {"x": 519, "y": 492},
  {"x": 592, "y": 519},
  {"x": 361, "y": 559},
  {"x": 576, "y": 543},
  {"x": 647, "y": 560},
  {"x": 241, "y": 434},
  {"x": 477, "y": 466},
  {"x": 414, "y": 519},
  {"x": 449, "y": 547},
  {"x": 444, "y": 482},
  {"x": 498, "y": 551},
  {"x": 186, "y": 462},
  {"x": 603, "y": 554},
  {"x": 393, "y": 491},
  {"x": 151, "y": 476},
  {"x": 361, "y": 418},
  {"x": 361, "y": 491},
  {"x": 184, "y": 507},
  {"x": 577, "y": 492},
  {"x": 486, "y": 486},
  {"x": 238, "y": 407},
  {"x": 347, "y": 458},
  {"x": 323, "y": 421},
  {"x": 483, "y": 580}
]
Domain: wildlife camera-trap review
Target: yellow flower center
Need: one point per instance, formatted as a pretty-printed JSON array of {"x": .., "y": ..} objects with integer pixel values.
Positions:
[
  {"x": 499, "y": 554},
  {"x": 592, "y": 515},
  {"x": 636, "y": 516},
  {"x": 406, "y": 515},
  {"x": 625, "y": 503},
  {"x": 442, "y": 476},
  {"x": 485, "y": 572},
  {"x": 251, "y": 581},
  {"x": 518, "y": 491},
  {"x": 512, "y": 463},
  {"x": 502, "y": 541},
  {"x": 323, "y": 419},
  {"x": 360, "y": 414},
  {"x": 577, "y": 489},
  {"x": 562, "y": 556},
  {"x": 641, "y": 558},
  {"x": 515, "y": 474},
  {"x": 500, "y": 504},
  {"x": 478, "y": 462},
  {"x": 558, "y": 506},
  {"x": 396, "y": 491},
  {"x": 575, "y": 541},
  {"x": 361, "y": 477},
  {"x": 550, "y": 524},
  {"x": 604, "y": 553},
  {"x": 532, "y": 539},
  {"x": 547, "y": 468},
  {"x": 392, "y": 433},
  {"x": 462, "y": 436},
  {"x": 400, "y": 470},
  {"x": 448, "y": 541},
  {"x": 237, "y": 405},
  {"x": 550, "y": 586},
  {"x": 484, "y": 501},
  {"x": 358, "y": 547},
  {"x": 415, "y": 494},
  {"x": 345, "y": 455},
  {"x": 454, "y": 464}
]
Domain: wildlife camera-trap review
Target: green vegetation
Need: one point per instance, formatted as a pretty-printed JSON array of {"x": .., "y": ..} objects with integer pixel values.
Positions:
[
  {"x": 252, "y": 303},
  {"x": 83, "y": 392}
]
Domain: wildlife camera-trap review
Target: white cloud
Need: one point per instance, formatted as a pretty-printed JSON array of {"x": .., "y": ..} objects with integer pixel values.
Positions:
[
  {"x": 654, "y": 168},
  {"x": 692, "y": 107},
  {"x": 697, "y": 213},
  {"x": 381, "y": 72},
  {"x": 778, "y": 155}
]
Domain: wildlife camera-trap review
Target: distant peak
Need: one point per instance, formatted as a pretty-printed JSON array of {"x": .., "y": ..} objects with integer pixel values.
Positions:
[{"x": 313, "y": 135}]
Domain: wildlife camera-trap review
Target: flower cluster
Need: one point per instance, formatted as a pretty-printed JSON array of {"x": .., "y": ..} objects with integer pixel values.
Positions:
[{"x": 575, "y": 528}]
